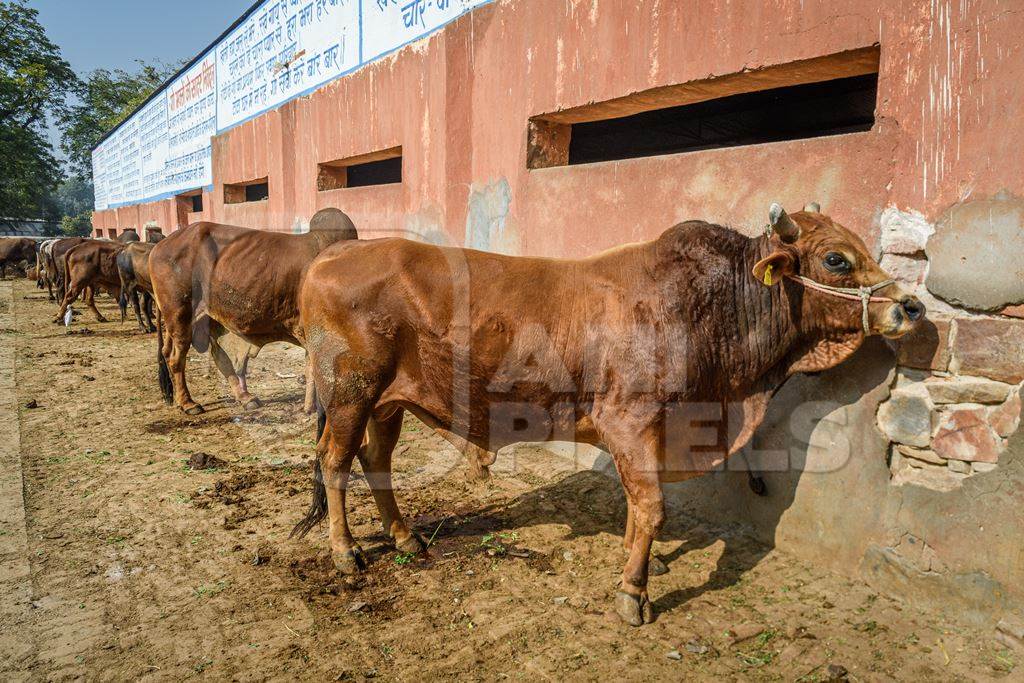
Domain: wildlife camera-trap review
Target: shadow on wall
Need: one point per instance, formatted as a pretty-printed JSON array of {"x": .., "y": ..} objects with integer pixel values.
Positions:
[
  {"x": 806, "y": 422},
  {"x": 819, "y": 430}
]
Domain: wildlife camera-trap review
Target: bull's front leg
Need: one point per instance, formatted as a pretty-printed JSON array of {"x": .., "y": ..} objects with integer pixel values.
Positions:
[
  {"x": 309, "y": 404},
  {"x": 655, "y": 566},
  {"x": 638, "y": 463},
  {"x": 91, "y": 300},
  {"x": 235, "y": 377}
]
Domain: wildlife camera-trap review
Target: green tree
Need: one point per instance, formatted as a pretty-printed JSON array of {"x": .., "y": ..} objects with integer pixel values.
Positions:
[
  {"x": 73, "y": 201},
  {"x": 105, "y": 99},
  {"x": 34, "y": 80}
]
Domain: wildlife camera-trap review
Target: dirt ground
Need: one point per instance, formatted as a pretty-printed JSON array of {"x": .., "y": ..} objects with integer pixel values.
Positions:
[{"x": 138, "y": 567}]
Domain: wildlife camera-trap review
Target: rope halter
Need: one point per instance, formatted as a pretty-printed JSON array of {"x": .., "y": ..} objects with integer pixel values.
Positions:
[{"x": 862, "y": 294}]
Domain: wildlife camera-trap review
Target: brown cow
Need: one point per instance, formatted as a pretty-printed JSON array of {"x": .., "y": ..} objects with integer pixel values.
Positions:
[
  {"x": 14, "y": 250},
  {"x": 128, "y": 236},
  {"x": 133, "y": 269},
  {"x": 615, "y": 350},
  {"x": 232, "y": 290},
  {"x": 90, "y": 266}
]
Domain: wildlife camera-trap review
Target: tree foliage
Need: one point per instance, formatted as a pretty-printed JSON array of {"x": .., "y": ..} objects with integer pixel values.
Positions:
[
  {"x": 105, "y": 99},
  {"x": 34, "y": 80}
]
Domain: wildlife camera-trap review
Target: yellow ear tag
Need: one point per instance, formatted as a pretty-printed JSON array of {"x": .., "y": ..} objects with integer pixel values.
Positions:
[{"x": 768, "y": 275}]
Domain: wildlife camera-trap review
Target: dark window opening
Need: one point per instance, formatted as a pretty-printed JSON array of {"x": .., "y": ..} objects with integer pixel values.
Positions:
[
  {"x": 255, "y": 191},
  {"x": 843, "y": 105},
  {"x": 197, "y": 203},
  {"x": 377, "y": 168},
  {"x": 381, "y": 172}
]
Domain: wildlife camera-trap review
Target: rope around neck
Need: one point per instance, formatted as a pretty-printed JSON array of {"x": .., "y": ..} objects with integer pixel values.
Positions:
[{"x": 862, "y": 294}]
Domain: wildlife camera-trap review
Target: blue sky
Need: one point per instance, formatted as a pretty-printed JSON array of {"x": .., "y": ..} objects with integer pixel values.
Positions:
[{"x": 113, "y": 33}]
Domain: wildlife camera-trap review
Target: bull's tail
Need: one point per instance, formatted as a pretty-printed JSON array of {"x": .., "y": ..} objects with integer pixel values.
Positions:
[
  {"x": 318, "y": 507},
  {"x": 163, "y": 372}
]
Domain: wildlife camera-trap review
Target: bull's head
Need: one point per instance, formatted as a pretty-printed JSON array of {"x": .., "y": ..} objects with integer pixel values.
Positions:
[{"x": 845, "y": 290}]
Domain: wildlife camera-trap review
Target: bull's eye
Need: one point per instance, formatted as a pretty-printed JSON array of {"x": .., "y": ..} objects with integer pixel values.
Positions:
[{"x": 837, "y": 263}]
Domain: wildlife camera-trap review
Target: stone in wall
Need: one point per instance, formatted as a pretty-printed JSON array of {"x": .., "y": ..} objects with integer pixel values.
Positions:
[
  {"x": 989, "y": 347},
  {"x": 965, "y": 435},
  {"x": 904, "y": 232},
  {"x": 966, "y": 390},
  {"x": 1006, "y": 418},
  {"x": 954, "y": 402},
  {"x": 927, "y": 347},
  {"x": 961, "y": 439},
  {"x": 975, "y": 254},
  {"x": 906, "y": 417}
]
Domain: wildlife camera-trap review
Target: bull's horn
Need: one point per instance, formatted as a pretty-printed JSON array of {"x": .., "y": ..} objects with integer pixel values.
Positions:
[
  {"x": 782, "y": 225},
  {"x": 813, "y": 207}
]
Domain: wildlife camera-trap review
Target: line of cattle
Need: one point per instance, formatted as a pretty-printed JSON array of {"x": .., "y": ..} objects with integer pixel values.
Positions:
[{"x": 490, "y": 350}]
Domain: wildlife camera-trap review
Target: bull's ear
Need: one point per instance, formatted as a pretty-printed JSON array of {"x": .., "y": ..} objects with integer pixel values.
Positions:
[
  {"x": 772, "y": 268},
  {"x": 782, "y": 225}
]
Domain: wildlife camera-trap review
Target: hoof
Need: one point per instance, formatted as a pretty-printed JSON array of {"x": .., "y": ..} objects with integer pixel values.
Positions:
[
  {"x": 758, "y": 486},
  {"x": 413, "y": 545},
  {"x": 655, "y": 567},
  {"x": 253, "y": 404},
  {"x": 349, "y": 562},
  {"x": 635, "y": 610},
  {"x": 195, "y": 410},
  {"x": 101, "y": 319}
]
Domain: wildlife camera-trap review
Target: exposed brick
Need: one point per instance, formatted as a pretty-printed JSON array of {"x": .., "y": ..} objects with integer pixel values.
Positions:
[
  {"x": 927, "y": 347},
  {"x": 966, "y": 435},
  {"x": 1005, "y": 419},
  {"x": 990, "y": 347}
]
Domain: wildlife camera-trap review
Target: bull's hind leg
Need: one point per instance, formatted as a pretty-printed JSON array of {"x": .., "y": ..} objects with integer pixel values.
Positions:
[
  {"x": 133, "y": 295},
  {"x": 147, "y": 309},
  {"x": 338, "y": 446},
  {"x": 375, "y": 459},
  {"x": 177, "y": 337}
]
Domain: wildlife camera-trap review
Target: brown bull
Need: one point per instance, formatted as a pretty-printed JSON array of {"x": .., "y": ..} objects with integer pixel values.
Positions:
[
  {"x": 133, "y": 269},
  {"x": 88, "y": 267},
  {"x": 232, "y": 290},
  {"x": 14, "y": 250},
  {"x": 54, "y": 261},
  {"x": 626, "y": 350},
  {"x": 43, "y": 275}
]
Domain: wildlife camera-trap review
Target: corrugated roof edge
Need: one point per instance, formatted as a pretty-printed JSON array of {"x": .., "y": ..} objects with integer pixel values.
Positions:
[{"x": 179, "y": 72}]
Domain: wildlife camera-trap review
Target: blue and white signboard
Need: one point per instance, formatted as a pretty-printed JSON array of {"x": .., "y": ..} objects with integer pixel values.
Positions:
[
  {"x": 390, "y": 24},
  {"x": 191, "y": 124},
  {"x": 282, "y": 50}
]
